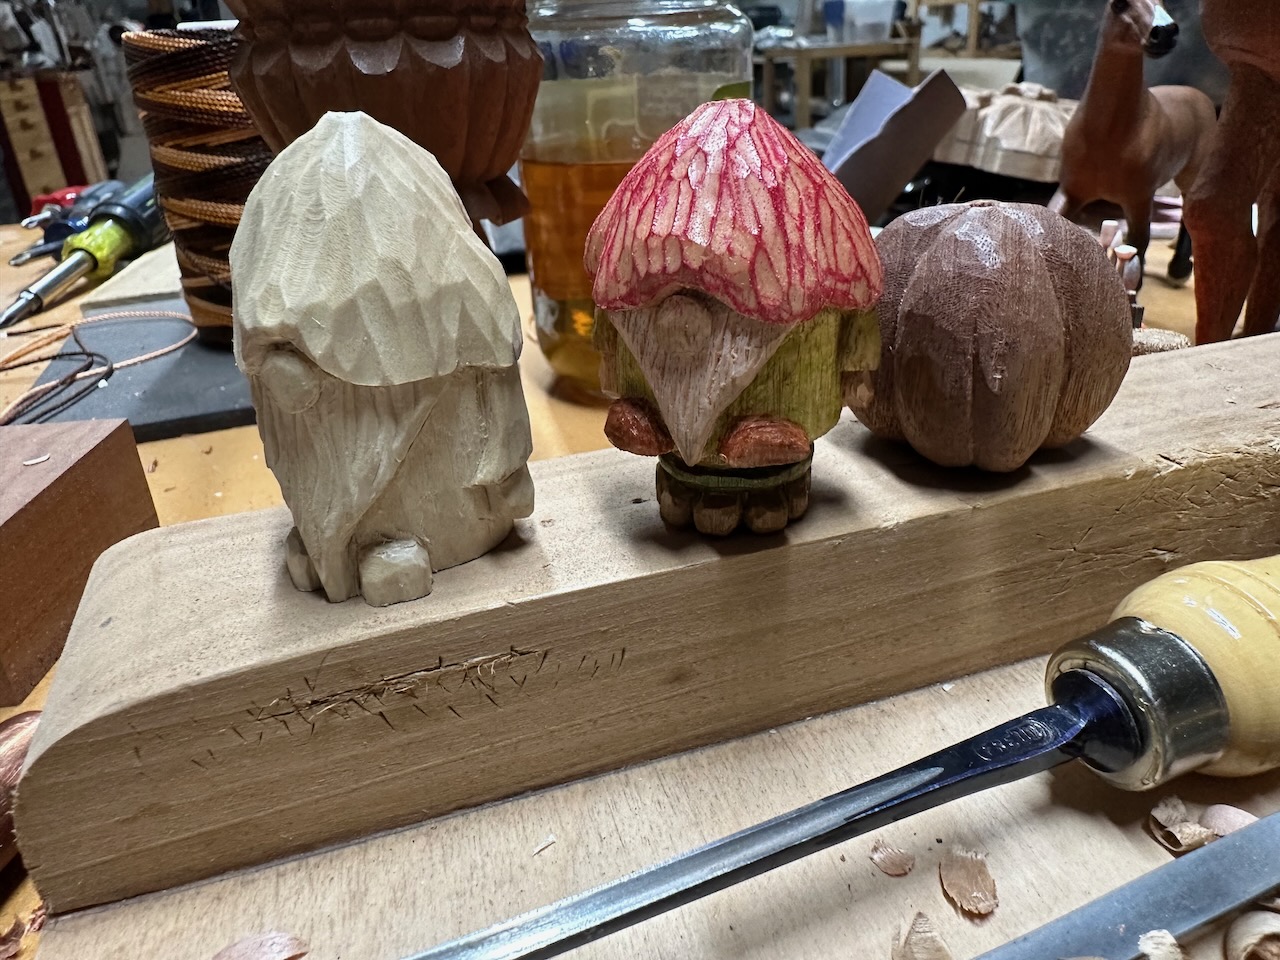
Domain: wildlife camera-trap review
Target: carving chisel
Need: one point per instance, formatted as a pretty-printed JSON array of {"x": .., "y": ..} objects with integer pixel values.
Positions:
[
  {"x": 1183, "y": 896},
  {"x": 1184, "y": 677}
]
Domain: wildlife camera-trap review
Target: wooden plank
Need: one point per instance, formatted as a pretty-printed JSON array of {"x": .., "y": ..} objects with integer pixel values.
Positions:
[
  {"x": 1054, "y": 842},
  {"x": 207, "y": 716},
  {"x": 67, "y": 492}
]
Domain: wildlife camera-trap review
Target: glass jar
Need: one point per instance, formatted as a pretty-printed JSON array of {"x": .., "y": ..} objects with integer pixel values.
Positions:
[{"x": 617, "y": 75}]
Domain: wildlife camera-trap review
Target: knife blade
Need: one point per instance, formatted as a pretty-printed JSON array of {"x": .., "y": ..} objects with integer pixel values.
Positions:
[{"x": 1182, "y": 897}]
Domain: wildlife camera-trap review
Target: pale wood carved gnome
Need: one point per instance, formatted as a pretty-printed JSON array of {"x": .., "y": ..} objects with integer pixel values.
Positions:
[
  {"x": 380, "y": 339},
  {"x": 732, "y": 273}
]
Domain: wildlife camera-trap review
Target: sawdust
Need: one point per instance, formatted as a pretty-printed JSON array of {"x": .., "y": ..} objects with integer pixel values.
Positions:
[
  {"x": 967, "y": 882},
  {"x": 891, "y": 860},
  {"x": 265, "y": 946},
  {"x": 1254, "y": 936},
  {"x": 920, "y": 941}
]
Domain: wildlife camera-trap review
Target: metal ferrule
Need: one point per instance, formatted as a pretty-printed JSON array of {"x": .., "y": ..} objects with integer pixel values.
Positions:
[
  {"x": 63, "y": 277},
  {"x": 1176, "y": 701}
]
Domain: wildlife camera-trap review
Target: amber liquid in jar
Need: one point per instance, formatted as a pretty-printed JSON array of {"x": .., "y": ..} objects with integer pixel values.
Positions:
[{"x": 564, "y": 201}]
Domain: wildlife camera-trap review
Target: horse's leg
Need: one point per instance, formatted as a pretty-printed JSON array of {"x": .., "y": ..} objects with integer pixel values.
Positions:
[
  {"x": 1066, "y": 205},
  {"x": 1180, "y": 266},
  {"x": 1218, "y": 208},
  {"x": 1264, "y": 293},
  {"x": 1137, "y": 214}
]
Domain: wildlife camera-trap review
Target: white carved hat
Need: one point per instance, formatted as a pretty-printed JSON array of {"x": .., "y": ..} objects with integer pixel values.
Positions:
[{"x": 355, "y": 250}]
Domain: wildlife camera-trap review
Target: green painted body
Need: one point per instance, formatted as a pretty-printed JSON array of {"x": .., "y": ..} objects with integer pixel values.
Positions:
[{"x": 801, "y": 381}]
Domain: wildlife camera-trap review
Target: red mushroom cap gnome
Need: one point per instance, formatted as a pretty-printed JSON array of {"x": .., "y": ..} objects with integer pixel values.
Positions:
[{"x": 733, "y": 276}]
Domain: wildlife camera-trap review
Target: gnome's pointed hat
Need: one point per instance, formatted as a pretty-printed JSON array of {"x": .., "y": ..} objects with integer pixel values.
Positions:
[{"x": 355, "y": 249}]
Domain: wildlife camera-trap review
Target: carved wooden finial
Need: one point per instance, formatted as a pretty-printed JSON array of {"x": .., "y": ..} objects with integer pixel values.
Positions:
[{"x": 380, "y": 339}]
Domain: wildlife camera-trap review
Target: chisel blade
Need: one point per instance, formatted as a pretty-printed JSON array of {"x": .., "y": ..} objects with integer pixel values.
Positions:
[{"x": 1181, "y": 897}]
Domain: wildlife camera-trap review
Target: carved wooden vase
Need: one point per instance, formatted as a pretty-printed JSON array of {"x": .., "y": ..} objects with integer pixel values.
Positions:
[{"x": 458, "y": 77}]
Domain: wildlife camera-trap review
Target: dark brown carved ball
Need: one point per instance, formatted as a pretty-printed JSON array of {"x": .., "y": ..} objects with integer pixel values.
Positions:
[{"x": 1004, "y": 329}]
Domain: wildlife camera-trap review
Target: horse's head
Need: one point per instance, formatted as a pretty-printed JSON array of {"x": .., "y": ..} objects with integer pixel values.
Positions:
[{"x": 1145, "y": 23}]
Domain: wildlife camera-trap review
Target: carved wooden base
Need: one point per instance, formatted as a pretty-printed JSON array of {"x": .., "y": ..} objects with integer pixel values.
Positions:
[{"x": 765, "y": 499}]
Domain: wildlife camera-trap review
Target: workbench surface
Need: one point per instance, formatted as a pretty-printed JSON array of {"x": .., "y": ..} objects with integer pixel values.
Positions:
[{"x": 223, "y": 472}]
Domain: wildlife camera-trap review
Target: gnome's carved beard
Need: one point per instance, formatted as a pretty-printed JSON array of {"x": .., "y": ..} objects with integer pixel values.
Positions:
[{"x": 697, "y": 355}]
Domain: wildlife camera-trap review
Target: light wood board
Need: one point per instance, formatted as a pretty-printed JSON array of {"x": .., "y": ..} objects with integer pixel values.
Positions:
[
  {"x": 1054, "y": 842},
  {"x": 207, "y": 716}
]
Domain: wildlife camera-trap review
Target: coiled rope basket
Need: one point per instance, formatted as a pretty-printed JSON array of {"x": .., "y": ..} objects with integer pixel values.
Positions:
[{"x": 206, "y": 153}]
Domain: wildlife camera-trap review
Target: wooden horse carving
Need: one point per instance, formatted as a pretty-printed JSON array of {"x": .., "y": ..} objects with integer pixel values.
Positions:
[
  {"x": 1124, "y": 141},
  {"x": 1242, "y": 168}
]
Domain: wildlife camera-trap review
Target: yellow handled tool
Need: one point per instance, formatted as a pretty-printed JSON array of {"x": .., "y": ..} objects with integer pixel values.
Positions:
[{"x": 1186, "y": 676}]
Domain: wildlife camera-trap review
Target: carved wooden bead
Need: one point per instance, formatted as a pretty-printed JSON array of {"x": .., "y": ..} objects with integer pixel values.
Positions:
[{"x": 1003, "y": 329}]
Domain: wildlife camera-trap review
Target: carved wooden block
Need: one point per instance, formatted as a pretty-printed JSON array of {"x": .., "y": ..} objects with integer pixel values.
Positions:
[
  {"x": 380, "y": 338},
  {"x": 67, "y": 492},
  {"x": 207, "y": 716}
]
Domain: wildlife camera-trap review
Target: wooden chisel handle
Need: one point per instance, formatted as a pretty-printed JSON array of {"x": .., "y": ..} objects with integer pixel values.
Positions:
[
  {"x": 1196, "y": 654},
  {"x": 1229, "y": 611}
]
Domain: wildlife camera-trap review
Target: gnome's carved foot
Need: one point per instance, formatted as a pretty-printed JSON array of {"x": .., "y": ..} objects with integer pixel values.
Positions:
[
  {"x": 394, "y": 571},
  {"x": 634, "y": 426},
  {"x": 716, "y": 503},
  {"x": 764, "y": 442},
  {"x": 513, "y": 497},
  {"x": 301, "y": 570}
]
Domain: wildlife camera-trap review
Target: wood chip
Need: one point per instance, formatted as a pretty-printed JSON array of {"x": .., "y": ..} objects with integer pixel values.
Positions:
[
  {"x": 1222, "y": 818},
  {"x": 11, "y": 939},
  {"x": 38, "y": 917},
  {"x": 967, "y": 882},
  {"x": 921, "y": 941},
  {"x": 891, "y": 860},
  {"x": 547, "y": 842},
  {"x": 1160, "y": 945},
  {"x": 1175, "y": 828},
  {"x": 265, "y": 946},
  {"x": 1254, "y": 936}
]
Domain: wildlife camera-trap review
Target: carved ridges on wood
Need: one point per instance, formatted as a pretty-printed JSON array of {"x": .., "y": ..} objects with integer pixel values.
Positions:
[
  {"x": 697, "y": 356},
  {"x": 355, "y": 249},
  {"x": 729, "y": 202},
  {"x": 438, "y": 21}
]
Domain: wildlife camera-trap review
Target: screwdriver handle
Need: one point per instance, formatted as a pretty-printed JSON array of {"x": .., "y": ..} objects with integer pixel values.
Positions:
[{"x": 1229, "y": 612}]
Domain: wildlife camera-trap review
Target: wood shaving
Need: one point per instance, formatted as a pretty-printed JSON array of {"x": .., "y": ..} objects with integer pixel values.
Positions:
[
  {"x": 1175, "y": 828},
  {"x": 548, "y": 841},
  {"x": 1254, "y": 936},
  {"x": 38, "y": 917},
  {"x": 32, "y": 462},
  {"x": 266, "y": 946},
  {"x": 11, "y": 939},
  {"x": 1269, "y": 903},
  {"x": 1223, "y": 818},
  {"x": 1160, "y": 945},
  {"x": 891, "y": 860},
  {"x": 921, "y": 941},
  {"x": 1169, "y": 811},
  {"x": 967, "y": 882}
]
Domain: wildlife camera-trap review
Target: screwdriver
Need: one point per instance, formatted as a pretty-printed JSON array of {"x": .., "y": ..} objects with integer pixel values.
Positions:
[
  {"x": 122, "y": 227},
  {"x": 1185, "y": 676}
]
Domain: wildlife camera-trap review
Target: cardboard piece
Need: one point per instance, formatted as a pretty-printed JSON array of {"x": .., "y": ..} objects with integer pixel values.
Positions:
[{"x": 888, "y": 134}]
